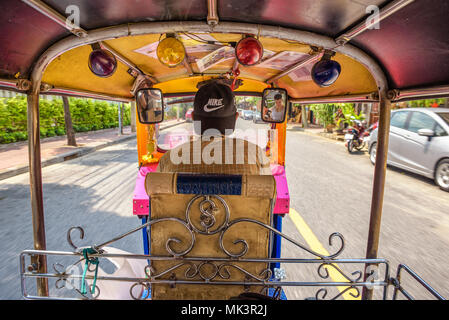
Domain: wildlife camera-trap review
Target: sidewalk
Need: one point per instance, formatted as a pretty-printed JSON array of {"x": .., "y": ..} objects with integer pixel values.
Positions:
[
  {"x": 14, "y": 156},
  {"x": 315, "y": 130}
]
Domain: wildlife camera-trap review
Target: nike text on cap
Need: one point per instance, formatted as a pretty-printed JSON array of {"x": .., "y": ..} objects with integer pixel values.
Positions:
[{"x": 214, "y": 107}]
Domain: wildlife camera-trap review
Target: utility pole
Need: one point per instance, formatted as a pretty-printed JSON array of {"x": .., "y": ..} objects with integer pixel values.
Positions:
[{"x": 71, "y": 141}]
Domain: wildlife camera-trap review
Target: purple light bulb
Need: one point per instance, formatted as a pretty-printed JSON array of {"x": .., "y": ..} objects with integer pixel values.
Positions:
[{"x": 102, "y": 63}]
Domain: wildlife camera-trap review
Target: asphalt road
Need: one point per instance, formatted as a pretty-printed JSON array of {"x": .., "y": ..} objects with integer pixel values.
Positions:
[{"x": 330, "y": 191}]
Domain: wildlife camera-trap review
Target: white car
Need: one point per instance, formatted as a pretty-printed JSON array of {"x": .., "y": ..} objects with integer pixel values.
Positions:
[
  {"x": 247, "y": 114},
  {"x": 419, "y": 143}
]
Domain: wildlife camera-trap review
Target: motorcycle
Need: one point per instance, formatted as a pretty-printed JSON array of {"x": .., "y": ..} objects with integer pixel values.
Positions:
[{"x": 357, "y": 137}]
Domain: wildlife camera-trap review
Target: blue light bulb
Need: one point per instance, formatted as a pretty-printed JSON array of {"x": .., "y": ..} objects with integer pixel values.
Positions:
[{"x": 326, "y": 72}]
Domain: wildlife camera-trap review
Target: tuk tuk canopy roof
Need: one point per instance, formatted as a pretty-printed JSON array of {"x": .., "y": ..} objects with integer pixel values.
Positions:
[{"x": 411, "y": 45}]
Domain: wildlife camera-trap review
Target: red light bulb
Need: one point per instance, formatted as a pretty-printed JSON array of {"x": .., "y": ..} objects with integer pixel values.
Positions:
[{"x": 249, "y": 51}]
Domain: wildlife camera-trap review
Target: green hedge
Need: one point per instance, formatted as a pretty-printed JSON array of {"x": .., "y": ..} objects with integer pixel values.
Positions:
[{"x": 87, "y": 115}]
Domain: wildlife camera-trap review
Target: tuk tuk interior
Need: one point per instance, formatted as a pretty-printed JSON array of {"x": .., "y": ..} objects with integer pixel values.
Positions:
[{"x": 391, "y": 52}]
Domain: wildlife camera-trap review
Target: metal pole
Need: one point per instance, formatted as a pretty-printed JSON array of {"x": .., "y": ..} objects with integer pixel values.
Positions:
[
  {"x": 419, "y": 93},
  {"x": 143, "y": 28},
  {"x": 368, "y": 97},
  {"x": 39, "y": 263},
  {"x": 87, "y": 94},
  {"x": 369, "y": 24},
  {"x": 296, "y": 66},
  {"x": 187, "y": 65},
  {"x": 212, "y": 14},
  {"x": 54, "y": 15},
  {"x": 127, "y": 62},
  {"x": 378, "y": 184}
]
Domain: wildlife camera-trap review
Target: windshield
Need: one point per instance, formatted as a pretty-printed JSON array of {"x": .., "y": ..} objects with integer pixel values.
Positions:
[
  {"x": 172, "y": 134},
  {"x": 444, "y": 116}
]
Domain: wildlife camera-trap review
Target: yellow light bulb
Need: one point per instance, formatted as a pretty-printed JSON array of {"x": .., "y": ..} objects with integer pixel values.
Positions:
[{"x": 171, "y": 52}]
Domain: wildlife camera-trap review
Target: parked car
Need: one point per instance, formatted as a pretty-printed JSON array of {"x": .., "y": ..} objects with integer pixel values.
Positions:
[
  {"x": 257, "y": 117},
  {"x": 189, "y": 115},
  {"x": 247, "y": 114},
  {"x": 419, "y": 143}
]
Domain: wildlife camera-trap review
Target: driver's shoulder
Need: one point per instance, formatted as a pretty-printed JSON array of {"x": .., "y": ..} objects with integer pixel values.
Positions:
[
  {"x": 237, "y": 139},
  {"x": 246, "y": 143}
]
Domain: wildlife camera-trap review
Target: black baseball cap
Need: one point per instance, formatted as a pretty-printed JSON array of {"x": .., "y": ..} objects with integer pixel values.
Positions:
[{"x": 214, "y": 107}]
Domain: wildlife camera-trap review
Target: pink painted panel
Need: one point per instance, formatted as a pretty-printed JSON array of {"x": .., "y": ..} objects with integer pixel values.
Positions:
[
  {"x": 283, "y": 196},
  {"x": 141, "y": 202}
]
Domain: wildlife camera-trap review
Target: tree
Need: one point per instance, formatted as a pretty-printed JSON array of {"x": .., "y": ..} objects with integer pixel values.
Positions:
[
  {"x": 324, "y": 113},
  {"x": 71, "y": 141}
]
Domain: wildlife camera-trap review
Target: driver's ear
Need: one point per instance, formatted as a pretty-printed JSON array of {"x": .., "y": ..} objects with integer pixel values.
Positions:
[{"x": 236, "y": 115}]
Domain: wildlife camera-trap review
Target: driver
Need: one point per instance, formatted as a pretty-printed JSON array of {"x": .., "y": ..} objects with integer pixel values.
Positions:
[
  {"x": 214, "y": 115},
  {"x": 277, "y": 112}
]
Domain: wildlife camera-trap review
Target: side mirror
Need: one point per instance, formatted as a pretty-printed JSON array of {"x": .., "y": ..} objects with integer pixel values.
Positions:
[
  {"x": 426, "y": 133},
  {"x": 274, "y": 105},
  {"x": 150, "y": 105}
]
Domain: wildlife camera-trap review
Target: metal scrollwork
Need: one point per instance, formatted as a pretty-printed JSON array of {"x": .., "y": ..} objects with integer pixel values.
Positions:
[
  {"x": 245, "y": 244},
  {"x": 145, "y": 288},
  {"x": 207, "y": 219},
  {"x": 323, "y": 293},
  {"x": 207, "y": 276},
  {"x": 61, "y": 274},
  {"x": 69, "y": 236},
  {"x": 207, "y": 271},
  {"x": 212, "y": 217},
  {"x": 322, "y": 268},
  {"x": 264, "y": 275},
  {"x": 190, "y": 273},
  {"x": 168, "y": 247},
  {"x": 208, "y": 209},
  {"x": 276, "y": 292},
  {"x": 331, "y": 240},
  {"x": 65, "y": 280}
]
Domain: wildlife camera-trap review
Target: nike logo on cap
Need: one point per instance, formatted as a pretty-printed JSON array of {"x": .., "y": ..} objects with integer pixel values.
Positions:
[{"x": 215, "y": 103}]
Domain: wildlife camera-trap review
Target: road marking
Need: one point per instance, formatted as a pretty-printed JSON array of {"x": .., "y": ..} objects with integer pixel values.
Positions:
[{"x": 316, "y": 246}]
